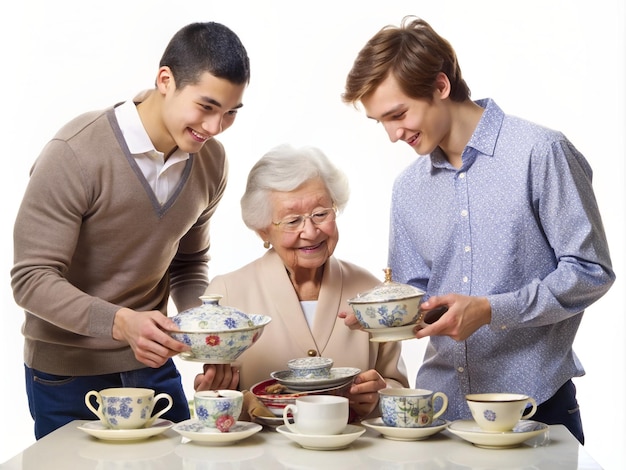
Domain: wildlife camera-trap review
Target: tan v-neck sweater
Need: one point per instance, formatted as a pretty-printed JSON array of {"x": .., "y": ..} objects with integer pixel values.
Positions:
[{"x": 90, "y": 237}]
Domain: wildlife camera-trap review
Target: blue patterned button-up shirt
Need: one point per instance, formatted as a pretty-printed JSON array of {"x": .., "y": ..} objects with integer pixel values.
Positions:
[{"x": 519, "y": 224}]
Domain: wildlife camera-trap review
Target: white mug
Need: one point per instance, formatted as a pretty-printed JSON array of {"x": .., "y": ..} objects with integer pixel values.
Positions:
[
  {"x": 322, "y": 415},
  {"x": 126, "y": 407}
]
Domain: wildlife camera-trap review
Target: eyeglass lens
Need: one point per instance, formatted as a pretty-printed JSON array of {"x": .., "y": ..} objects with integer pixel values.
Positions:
[{"x": 296, "y": 222}]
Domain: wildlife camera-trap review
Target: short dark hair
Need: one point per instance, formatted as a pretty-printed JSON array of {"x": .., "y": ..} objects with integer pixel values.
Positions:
[{"x": 206, "y": 47}]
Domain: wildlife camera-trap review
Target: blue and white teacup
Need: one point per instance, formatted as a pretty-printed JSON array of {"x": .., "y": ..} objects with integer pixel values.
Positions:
[
  {"x": 127, "y": 407},
  {"x": 410, "y": 407}
]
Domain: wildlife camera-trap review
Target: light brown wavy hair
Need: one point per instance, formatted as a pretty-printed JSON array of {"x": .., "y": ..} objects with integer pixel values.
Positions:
[{"x": 414, "y": 53}]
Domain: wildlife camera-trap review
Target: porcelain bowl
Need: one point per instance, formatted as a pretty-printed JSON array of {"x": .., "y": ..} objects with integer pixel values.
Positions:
[
  {"x": 310, "y": 367},
  {"x": 217, "y": 334},
  {"x": 388, "y": 305}
]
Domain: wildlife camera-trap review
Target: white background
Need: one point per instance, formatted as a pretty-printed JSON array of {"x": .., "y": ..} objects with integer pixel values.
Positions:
[{"x": 557, "y": 62}]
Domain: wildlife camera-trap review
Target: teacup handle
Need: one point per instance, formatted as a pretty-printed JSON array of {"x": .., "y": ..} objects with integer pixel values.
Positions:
[
  {"x": 164, "y": 410},
  {"x": 96, "y": 411},
  {"x": 293, "y": 409},
  {"x": 532, "y": 411},
  {"x": 444, "y": 404}
]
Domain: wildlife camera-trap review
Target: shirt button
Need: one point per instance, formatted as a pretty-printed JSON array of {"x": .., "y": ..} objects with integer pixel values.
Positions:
[
  {"x": 311, "y": 353},
  {"x": 461, "y": 175},
  {"x": 464, "y": 213},
  {"x": 467, "y": 249},
  {"x": 465, "y": 279},
  {"x": 460, "y": 369}
]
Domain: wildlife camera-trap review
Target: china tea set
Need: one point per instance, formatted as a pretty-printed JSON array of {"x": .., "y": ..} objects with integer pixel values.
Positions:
[{"x": 308, "y": 398}]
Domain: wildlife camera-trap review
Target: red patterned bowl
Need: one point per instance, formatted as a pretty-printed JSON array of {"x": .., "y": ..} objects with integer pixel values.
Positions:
[{"x": 275, "y": 402}]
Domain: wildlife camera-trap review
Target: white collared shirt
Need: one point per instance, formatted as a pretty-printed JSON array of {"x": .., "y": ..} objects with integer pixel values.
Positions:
[{"x": 163, "y": 176}]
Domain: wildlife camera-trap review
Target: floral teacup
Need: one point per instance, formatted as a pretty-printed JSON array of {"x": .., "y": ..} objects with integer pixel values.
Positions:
[
  {"x": 218, "y": 409},
  {"x": 410, "y": 407}
]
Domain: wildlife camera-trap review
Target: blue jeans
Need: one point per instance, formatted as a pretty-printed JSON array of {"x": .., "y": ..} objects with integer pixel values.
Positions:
[
  {"x": 55, "y": 400},
  {"x": 562, "y": 408}
]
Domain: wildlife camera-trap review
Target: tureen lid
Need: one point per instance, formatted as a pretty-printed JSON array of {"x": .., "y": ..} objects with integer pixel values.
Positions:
[
  {"x": 388, "y": 290},
  {"x": 211, "y": 316}
]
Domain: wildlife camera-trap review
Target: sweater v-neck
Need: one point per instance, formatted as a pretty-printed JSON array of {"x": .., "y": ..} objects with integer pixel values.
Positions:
[{"x": 159, "y": 209}]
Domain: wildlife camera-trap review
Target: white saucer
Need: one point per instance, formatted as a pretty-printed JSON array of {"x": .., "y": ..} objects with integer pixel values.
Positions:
[
  {"x": 338, "y": 376},
  {"x": 396, "y": 333},
  {"x": 99, "y": 430},
  {"x": 470, "y": 431},
  {"x": 332, "y": 442},
  {"x": 194, "y": 430},
  {"x": 273, "y": 422},
  {"x": 405, "y": 434}
]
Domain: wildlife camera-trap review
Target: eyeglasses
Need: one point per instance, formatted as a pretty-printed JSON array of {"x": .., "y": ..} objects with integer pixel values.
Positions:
[{"x": 295, "y": 223}]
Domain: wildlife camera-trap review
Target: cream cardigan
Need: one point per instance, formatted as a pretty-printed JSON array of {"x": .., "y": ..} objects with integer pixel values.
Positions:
[{"x": 263, "y": 287}]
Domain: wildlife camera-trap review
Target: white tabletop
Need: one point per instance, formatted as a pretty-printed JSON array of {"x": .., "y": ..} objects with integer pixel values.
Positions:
[{"x": 69, "y": 448}]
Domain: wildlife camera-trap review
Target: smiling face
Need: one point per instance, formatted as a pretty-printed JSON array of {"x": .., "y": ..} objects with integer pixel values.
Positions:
[
  {"x": 308, "y": 249},
  {"x": 421, "y": 123},
  {"x": 192, "y": 115}
]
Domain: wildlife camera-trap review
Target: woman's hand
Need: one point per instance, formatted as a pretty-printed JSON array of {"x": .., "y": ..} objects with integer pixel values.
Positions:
[
  {"x": 217, "y": 377},
  {"x": 350, "y": 320},
  {"x": 363, "y": 394}
]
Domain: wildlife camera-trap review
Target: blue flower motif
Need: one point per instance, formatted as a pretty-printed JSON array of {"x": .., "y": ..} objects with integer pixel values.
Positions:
[
  {"x": 223, "y": 406},
  {"x": 490, "y": 415},
  {"x": 202, "y": 412}
]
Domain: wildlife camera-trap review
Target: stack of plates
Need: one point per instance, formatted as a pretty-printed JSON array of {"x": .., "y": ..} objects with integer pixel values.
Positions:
[
  {"x": 338, "y": 376},
  {"x": 338, "y": 383}
]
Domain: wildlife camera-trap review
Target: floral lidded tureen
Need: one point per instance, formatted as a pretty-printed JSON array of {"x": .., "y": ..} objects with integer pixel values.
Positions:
[
  {"x": 211, "y": 316},
  {"x": 217, "y": 334}
]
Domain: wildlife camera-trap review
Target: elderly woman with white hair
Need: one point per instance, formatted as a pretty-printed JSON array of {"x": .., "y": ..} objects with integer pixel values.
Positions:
[{"x": 291, "y": 201}]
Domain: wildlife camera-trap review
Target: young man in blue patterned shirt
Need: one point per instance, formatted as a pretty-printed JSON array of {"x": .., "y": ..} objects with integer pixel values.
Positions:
[{"x": 497, "y": 221}]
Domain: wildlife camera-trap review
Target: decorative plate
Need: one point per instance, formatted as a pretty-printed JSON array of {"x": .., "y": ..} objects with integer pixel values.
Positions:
[
  {"x": 99, "y": 430},
  {"x": 338, "y": 376},
  {"x": 471, "y": 432},
  {"x": 275, "y": 402},
  {"x": 405, "y": 434},
  {"x": 194, "y": 430},
  {"x": 328, "y": 442}
]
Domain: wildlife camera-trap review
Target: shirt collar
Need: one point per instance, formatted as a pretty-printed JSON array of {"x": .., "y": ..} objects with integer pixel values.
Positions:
[
  {"x": 483, "y": 139},
  {"x": 486, "y": 133},
  {"x": 130, "y": 123},
  {"x": 135, "y": 134}
]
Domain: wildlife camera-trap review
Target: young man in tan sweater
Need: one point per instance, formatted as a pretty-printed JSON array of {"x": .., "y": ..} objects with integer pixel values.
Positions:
[{"x": 114, "y": 220}]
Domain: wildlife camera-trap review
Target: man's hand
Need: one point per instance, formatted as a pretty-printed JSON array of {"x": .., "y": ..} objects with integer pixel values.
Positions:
[
  {"x": 146, "y": 334},
  {"x": 464, "y": 316}
]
